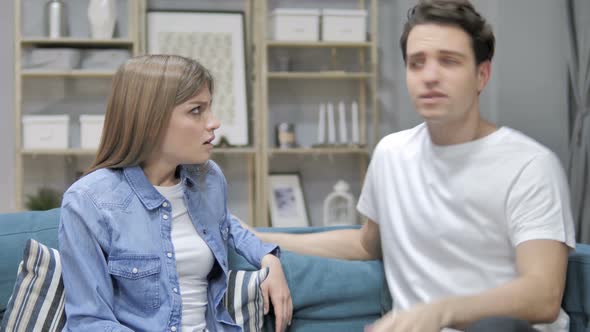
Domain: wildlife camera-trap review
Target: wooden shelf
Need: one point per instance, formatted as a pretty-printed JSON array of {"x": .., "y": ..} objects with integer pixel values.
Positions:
[
  {"x": 234, "y": 150},
  {"x": 76, "y": 42},
  {"x": 323, "y": 150},
  {"x": 318, "y": 75},
  {"x": 317, "y": 44},
  {"x": 92, "y": 152},
  {"x": 68, "y": 73},
  {"x": 58, "y": 152}
]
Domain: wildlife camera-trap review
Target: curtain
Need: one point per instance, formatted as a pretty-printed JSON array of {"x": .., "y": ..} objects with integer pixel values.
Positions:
[{"x": 578, "y": 20}]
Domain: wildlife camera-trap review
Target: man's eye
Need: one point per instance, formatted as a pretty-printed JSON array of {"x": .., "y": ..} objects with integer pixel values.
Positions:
[
  {"x": 449, "y": 61},
  {"x": 414, "y": 64}
]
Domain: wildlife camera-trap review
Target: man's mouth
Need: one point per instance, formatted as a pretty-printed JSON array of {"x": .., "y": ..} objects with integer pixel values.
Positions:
[{"x": 433, "y": 95}]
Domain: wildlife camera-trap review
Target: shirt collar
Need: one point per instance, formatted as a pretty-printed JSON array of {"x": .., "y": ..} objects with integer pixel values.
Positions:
[{"x": 143, "y": 188}]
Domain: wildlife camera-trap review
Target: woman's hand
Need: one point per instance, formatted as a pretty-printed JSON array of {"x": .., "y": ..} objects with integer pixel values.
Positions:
[{"x": 275, "y": 287}]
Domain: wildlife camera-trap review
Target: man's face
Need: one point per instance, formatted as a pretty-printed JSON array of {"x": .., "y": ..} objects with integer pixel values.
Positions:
[{"x": 442, "y": 77}]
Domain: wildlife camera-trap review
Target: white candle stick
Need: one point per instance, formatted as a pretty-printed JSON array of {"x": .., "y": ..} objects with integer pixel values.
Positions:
[
  {"x": 342, "y": 123},
  {"x": 355, "y": 122},
  {"x": 322, "y": 125},
  {"x": 331, "y": 125}
]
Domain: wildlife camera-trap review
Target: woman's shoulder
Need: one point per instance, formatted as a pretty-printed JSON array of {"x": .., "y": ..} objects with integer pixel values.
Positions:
[{"x": 99, "y": 182}]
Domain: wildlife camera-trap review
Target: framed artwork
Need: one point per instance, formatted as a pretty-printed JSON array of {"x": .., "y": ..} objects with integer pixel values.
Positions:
[
  {"x": 216, "y": 40},
  {"x": 287, "y": 206}
]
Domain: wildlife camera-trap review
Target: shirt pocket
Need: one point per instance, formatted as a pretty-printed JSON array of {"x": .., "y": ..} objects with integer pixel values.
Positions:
[{"x": 136, "y": 280}]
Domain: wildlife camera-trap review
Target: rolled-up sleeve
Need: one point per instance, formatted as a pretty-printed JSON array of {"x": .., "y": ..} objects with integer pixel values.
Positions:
[{"x": 248, "y": 245}]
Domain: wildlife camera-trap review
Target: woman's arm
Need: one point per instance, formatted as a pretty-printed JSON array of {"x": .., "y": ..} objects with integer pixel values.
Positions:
[{"x": 88, "y": 288}]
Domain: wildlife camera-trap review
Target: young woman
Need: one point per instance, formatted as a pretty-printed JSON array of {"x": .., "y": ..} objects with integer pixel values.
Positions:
[{"x": 144, "y": 234}]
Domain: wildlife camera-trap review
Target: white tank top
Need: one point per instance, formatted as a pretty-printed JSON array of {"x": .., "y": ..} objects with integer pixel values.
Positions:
[{"x": 194, "y": 261}]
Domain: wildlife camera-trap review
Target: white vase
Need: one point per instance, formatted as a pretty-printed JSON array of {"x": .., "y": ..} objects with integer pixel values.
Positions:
[{"x": 102, "y": 15}]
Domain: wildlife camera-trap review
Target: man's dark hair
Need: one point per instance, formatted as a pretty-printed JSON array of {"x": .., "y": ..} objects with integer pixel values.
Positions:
[{"x": 458, "y": 13}]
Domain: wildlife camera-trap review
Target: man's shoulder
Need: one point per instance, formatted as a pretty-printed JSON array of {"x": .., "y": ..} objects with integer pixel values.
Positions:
[
  {"x": 524, "y": 146},
  {"x": 402, "y": 140}
]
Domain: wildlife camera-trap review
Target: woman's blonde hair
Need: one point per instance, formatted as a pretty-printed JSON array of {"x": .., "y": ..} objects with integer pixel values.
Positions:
[{"x": 144, "y": 92}]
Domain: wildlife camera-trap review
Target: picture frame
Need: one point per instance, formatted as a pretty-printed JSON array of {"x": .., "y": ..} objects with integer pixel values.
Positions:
[
  {"x": 286, "y": 201},
  {"x": 217, "y": 40}
]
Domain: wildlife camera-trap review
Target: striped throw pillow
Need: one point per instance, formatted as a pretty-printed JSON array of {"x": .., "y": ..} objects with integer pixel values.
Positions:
[
  {"x": 37, "y": 301},
  {"x": 244, "y": 299}
]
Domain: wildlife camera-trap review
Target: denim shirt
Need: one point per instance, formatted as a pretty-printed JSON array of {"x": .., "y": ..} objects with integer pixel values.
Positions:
[{"x": 118, "y": 261}]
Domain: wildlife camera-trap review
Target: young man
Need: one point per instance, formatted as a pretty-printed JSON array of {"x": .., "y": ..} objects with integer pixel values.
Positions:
[{"x": 472, "y": 220}]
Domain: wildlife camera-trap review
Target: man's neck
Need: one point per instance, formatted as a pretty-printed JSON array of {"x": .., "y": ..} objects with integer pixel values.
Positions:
[{"x": 462, "y": 131}]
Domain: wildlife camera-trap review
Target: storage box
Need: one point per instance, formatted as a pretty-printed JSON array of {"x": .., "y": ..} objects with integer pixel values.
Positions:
[
  {"x": 104, "y": 59},
  {"x": 52, "y": 59},
  {"x": 90, "y": 131},
  {"x": 45, "y": 131},
  {"x": 295, "y": 24},
  {"x": 348, "y": 25}
]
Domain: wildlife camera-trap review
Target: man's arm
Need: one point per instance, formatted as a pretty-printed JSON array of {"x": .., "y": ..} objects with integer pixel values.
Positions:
[
  {"x": 534, "y": 296},
  {"x": 352, "y": 244}
]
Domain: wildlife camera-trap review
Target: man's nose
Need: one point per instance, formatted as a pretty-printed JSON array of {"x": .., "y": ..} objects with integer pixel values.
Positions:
[{"x": 431, "y": 72}]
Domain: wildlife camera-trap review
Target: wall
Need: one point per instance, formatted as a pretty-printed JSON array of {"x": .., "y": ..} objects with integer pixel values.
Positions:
[{"x": 7, "y": 107}]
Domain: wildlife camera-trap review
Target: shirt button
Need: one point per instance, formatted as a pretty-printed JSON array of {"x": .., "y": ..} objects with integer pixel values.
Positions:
[
  {"x": 205, "y": 231},
  {"x": 169, "y": 255},
  {"x": 165, "y": 204},
  {"x": 135, "y": 270},
  {"x": 173, "y": 328},
  {"x": 175, "y": 290},
  {"x": 165, "y": 217}
]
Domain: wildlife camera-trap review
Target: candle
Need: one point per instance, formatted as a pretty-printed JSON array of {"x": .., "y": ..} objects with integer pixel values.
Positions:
[
  {"x": 342, "y": 123},
  {"x": 355, "y": 122},
  {"x": 322, "y": 125},
  {"x": 331, "y": 125}
]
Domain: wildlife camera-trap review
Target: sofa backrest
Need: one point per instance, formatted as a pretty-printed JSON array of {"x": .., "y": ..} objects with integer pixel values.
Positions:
[
  {"x": 576, "y": 298},
  {"x": 15, "y": 230}
]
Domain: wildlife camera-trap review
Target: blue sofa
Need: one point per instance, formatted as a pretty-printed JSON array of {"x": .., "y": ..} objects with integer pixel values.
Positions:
[{"x": 328, "y": 294}]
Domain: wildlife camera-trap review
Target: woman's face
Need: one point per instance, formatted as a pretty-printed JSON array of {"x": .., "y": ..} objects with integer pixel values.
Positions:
[{"x": 191, "y": 129}]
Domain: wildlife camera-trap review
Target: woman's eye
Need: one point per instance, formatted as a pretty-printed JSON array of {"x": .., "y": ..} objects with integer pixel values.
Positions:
[{"x": 196, "y": 110}]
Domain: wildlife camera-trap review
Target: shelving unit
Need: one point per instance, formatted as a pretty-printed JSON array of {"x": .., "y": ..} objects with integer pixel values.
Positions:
[
  {"x": 365, "y": 78},
  {"x": 26, "y": 160},
  {"x": 73, "y": 159}
]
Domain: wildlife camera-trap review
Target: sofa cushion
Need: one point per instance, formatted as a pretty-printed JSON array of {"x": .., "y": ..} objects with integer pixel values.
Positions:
[
  {"x": 576, "y": 298},
  {"x": 37, "y": 301},
  {"x": 15, "y": 230},
  {"x": 244, "y": 300}
]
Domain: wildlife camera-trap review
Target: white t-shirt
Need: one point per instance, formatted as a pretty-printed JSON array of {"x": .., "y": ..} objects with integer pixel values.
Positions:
[
  {"x": 194, "y": 261},
  {"x": 450, "y": 217}
]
